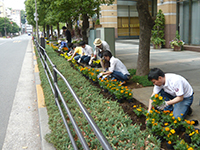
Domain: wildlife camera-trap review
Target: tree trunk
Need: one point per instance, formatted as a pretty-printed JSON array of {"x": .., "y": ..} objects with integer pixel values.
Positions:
[
  {"x": 85, "y": 26},
  {"x": 48, "y": 31},
  {"x": 146, "y": 24},
  {"x": 58, "y": 30},
  {"x": 44, "y": 31},
  {"x": 52, "y": 33}
]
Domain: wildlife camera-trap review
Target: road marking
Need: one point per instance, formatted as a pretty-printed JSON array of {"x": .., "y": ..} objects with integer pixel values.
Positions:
[
  {"x": 2, "y": 43},
  {"x": 40, "y": 96},
  {"x": 16, "y": 41},
  {"x": 36, "y": 68}
]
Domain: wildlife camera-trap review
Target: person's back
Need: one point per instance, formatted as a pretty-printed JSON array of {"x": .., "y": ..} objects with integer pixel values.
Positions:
[{"x": 68, "y": 36}]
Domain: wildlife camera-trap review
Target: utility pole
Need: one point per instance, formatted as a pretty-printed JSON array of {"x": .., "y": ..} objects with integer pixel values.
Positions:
[{"x": 36, "y": 19}]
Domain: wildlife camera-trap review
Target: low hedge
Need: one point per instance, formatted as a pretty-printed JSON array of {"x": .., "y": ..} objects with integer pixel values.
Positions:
[{"x": 108, "y": 115}]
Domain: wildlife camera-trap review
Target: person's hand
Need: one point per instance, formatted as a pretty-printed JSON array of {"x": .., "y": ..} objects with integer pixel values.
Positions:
[
  {"x": 69, "y": 59},
  {"x": 162, "y": 106},
  {"x": 99, "y": 75}
]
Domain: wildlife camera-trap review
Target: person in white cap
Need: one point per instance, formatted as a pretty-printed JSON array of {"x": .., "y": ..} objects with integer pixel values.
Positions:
[{"x": 100, "y": 47}]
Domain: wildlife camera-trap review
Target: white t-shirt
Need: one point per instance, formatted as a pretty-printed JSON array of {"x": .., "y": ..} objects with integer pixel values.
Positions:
[
  {"x": 104, "y": 47},
  {"x": 87, "y": 50},
  {"x": 175, "y": 85},
  {"x": 117, "y": 65}
]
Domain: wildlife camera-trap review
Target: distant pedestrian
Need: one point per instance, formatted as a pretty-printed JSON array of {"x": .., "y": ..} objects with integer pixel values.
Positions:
[{"x": 67, "y": 33}]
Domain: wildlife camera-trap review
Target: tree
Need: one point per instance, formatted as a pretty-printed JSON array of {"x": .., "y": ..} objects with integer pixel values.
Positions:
[
  {"x": 23, "y": 20},
  {"x": 146, "y": 24}
]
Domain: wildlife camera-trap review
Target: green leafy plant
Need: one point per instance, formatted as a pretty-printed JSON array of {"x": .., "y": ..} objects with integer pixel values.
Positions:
[
  {"x": 97, "y": 22},
  {"x": 157, "y": 37}
]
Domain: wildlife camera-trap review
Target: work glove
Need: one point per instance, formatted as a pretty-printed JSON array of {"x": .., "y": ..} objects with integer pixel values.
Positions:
[
  {"x": 104, "y": 77},
  {"x": 90, "y": 62},
  {"x": 99, "y": 75},
  {"x": 162, "y": 106},
  {"x": 79, "y": 60},
  {"x": 69, "y": 54}
]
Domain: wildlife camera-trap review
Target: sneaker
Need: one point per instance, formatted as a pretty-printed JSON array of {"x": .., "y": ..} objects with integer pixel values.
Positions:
[{"x": 189, "y": 111}]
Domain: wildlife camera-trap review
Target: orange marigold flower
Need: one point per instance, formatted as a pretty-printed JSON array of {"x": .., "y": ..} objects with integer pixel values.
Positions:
[
  {"x": 167, "y": 129},
  {"x": 173, "y": 117},
  {"x": 181, "y": 114},
  {"x": 97, "y": 70},
  {"x": 107, "y": 102},
  {"x": 122, "y": 91},
  {"x": 166, "y": 124},
  {"x": 126, "y": 87},
  {"x": 126, "y": 92},
  {"x": 154, "y": 100},
  {"x": 192, "y": 122},
  {"x": 156, "y": 95},
  {"x": 169, "y": 142},
  {"x": 160, "y": 97},
  {"x": 190, "y": 148},
  {"x": 188, "y": 121},
  {"x": 130, "y": 94},
  {"x": 175, "y": 121}
]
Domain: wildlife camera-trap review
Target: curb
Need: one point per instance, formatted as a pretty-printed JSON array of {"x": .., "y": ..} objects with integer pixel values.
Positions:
[{"x": 42, "y": 111}]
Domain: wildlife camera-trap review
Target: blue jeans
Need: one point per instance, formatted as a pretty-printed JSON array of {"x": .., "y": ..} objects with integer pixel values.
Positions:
[
  {"x": 119, "y": 76},
  {"x": 180, "y": 107},
  {"x": 85, "y": 59},
  {"x": 77, "y": 57}
]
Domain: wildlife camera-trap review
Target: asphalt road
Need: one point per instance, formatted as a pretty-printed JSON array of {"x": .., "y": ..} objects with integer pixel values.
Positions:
[{"x": 12, "y": 53}]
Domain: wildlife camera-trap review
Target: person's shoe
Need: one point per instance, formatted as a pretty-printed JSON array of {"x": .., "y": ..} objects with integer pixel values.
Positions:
[
  {"x": 123, "y": 82},
  {"x": 189, "y": 111}
]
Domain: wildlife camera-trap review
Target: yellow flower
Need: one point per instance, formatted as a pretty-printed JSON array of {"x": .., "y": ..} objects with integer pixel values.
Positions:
[
  {"x": 154, "y": 100},
  {"x": 151, "y": 111},
  {"x": 173, "y": 118},
  {"x": 172, "y": 131},
  {"x": 134, "y": 106},
  {"x": 122, "y": 91},
  {"x": 175, "y": 121},
  {"x": 160, "y": 97},
  {"x": 171, "y": 114},
  {"x": 179, "y": 119},
  {"x": 191, "y": 133},
  {"x": 197, "y": 131},
  {"x": 190, "y": 148},
  {"x": 166, "y": 124},
  {"x": 138, "y": 109}
]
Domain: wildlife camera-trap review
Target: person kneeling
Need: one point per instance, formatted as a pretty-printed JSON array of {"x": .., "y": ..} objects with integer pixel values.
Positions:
[{"x": 117, "y": 69}]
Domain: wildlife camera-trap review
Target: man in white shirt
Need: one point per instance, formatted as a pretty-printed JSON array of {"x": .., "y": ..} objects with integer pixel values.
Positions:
[
  {"x": 100, "y": 47},
  {"x": 87, "y": 53},
  {"x": 117, "y": 69},
  {"x": 175, "y": 90}
]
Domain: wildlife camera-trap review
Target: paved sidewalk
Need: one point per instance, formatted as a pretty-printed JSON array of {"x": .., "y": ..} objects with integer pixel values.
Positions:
[{"x": 185, "y": 63}]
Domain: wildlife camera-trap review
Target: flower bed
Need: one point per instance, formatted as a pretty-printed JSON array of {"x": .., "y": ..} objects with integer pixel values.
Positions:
[
  {"x": 114, "y": 123},
  {"x": 170, "y": 129}
]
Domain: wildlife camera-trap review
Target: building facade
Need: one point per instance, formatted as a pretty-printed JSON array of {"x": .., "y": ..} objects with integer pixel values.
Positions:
[
  {"x": 2, "y": 9},
  {"x": 181, "y": 15}
]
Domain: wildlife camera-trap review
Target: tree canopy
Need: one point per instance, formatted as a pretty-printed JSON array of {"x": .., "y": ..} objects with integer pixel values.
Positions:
[{"x": 11, "y": 27}]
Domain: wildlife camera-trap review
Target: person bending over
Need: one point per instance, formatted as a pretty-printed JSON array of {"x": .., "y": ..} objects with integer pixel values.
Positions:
[{"x": 175, "y": 90}]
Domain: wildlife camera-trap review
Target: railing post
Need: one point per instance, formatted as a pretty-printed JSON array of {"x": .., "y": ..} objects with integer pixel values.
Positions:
[
  {"x": 55, "y": 82},
  {"x": 42, "y": 42}
]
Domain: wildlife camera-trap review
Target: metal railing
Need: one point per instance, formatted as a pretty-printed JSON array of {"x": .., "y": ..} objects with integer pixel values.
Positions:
[{"x": 52, "y": 79}]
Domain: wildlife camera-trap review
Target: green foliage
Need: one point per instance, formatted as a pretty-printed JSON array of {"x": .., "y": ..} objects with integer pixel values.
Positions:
[
  {"x": 10, "y": 27},
  {"x": 97, "y": 22},
  {"x": 157, "y": 32},
  {"x": 143, "y": 80},
  {"x": 108, "y": 115},
  {"x": 23, "y": 16}
]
